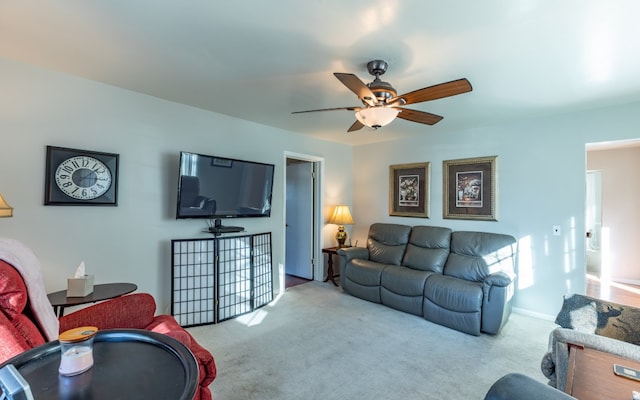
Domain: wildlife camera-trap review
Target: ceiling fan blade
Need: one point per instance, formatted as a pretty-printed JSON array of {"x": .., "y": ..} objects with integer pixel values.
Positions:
[
  {"x": 356, "y": 126},
  {"x": 328, "y": 109},
  {"x": 436, "y": 92},
  {"x": 419, "y": 116},
  {"x": 357, "y": 86}
]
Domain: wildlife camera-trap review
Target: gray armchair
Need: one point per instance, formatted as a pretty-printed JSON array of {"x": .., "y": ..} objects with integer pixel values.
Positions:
[{"x": 593, "y": 323}]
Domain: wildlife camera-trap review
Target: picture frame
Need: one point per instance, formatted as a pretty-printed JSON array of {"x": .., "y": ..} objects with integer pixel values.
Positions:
[
  {"x": 80, "y": 177},
  {"x": 409, "y": 190},
  {"x": 470, "y": 188}
]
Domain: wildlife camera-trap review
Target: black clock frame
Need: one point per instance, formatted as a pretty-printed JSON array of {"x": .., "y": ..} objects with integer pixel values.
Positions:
[{"x": 53, "y": 196}]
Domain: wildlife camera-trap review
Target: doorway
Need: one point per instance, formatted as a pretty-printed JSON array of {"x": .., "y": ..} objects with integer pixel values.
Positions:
[
  {"x": 612, "y": 234},
  {"x": 302, "y": 205}
]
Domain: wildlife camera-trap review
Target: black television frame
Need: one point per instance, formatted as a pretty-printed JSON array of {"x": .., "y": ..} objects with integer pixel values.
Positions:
[{"x": 223, "y": 162}]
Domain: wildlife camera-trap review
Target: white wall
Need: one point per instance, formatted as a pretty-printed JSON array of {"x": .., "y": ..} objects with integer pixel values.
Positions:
[
  {"x": 620, "y": 170},
  {"x": 541, "y": 180},
  {"x": 541, "y": 183},
  {"x": 130, "y": 242}
]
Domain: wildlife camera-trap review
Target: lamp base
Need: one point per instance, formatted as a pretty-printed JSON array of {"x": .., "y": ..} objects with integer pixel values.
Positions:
[{"x": 341, "y": 236}]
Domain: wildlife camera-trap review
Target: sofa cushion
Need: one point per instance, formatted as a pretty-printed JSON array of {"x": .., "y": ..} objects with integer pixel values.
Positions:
[
  {"x": 404, "y": 281},
  {"x": 454, "y": 303},
  {"x": 28, "y": 331},
  {"x": 387, "y": 242},
  {"x": 475, "y": 255},
  {"x": 402, "y": 288},
  {"x": 428, "y": 248},
  {"x": 365, "y": 272},
  {"x": 454, "y": 294},
  {"x": 13, "y": 291}
]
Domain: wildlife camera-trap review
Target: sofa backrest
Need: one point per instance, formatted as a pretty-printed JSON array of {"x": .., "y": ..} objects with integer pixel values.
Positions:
[
  {"x": 475, "y": 255},
  {"x": 386, "y": 242},
  {"x": 428, "y": 248}
]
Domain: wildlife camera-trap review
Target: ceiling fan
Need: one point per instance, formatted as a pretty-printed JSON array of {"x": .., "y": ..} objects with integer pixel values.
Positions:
[{"x": 381, "y": 103}]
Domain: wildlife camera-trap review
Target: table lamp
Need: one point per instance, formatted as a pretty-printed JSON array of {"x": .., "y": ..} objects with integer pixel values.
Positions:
[
  {"x": 341, "y": 216},
  {"x": 5, "y": 209}
]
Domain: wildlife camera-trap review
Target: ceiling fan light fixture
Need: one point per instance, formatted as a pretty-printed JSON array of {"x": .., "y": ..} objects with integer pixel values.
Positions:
[{"x": 376, "y": 117}]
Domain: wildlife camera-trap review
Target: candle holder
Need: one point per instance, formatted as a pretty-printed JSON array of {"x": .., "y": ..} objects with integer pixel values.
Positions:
[{"x": 76, "y": 347}]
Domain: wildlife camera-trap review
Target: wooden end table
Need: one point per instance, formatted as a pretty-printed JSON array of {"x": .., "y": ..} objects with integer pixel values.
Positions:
[
  {"x": 331, "y": 251},
  {"x": 105, "y": 291},
  {"x": 590, "y": 375}
]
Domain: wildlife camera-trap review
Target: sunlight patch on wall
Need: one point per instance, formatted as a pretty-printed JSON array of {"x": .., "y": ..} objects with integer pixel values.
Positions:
[
  {"x": 605, "y": 263},
  {"x": 525, "y": 263},
  {"x": 569, "y": 254},
  {"x": 281, "y": 278}
]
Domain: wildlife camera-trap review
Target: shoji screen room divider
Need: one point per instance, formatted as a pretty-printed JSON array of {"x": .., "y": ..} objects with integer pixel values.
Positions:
[{"x": 215, "y": 279}]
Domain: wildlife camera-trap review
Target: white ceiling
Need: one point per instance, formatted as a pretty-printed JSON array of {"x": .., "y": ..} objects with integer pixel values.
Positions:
[{"x": 260, "y": 60}]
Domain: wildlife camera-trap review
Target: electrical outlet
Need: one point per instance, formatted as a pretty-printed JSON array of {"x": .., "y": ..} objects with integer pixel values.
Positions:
[{"x": 556, "y": 230}]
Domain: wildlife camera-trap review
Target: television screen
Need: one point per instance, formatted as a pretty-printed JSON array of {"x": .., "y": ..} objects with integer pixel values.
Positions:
[{"x": 218, "y": 187}]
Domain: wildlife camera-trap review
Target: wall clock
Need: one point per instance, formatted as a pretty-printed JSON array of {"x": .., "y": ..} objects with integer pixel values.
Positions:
[{"x": 80, "y": 177}]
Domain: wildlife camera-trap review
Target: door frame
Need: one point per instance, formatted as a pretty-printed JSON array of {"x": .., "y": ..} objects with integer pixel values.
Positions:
[{"x": 318, "y": 267}]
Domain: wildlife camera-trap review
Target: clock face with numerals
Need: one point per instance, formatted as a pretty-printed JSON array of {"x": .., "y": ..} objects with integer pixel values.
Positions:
[
  {"x": 83, "y": 177},
  {"x": 80, "y": 177}
]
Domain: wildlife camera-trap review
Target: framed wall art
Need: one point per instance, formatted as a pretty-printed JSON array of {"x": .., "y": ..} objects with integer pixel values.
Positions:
[
  {"x": 470, "y": 188},
  {"x": 80, "y": 177},
  {"x": 409, "y": 190}
]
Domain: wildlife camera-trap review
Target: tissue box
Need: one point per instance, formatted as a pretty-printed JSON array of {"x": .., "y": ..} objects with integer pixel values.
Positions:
[{"x": 80, "y": 287}]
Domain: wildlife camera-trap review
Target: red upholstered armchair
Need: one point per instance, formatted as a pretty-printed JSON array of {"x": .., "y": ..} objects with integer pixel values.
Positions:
[{"x": 23, "y": 325}]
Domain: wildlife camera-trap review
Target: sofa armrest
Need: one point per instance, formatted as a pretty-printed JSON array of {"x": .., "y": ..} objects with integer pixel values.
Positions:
[
  {"x": 555, "y": 363},
  {"x": 168, "y": 325},
  {"x": 516, "y": 386},
  {"x": 349, "y": 253},
  {"x": 499, "y": 279},
  {"x": 131, "y": 311},
  {"x": 497, "y": 295}
]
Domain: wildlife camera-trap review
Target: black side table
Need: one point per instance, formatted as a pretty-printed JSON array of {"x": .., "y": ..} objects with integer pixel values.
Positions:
[
  {"x": 132, "y": 364},
  {"x": 105, "y": 291}
]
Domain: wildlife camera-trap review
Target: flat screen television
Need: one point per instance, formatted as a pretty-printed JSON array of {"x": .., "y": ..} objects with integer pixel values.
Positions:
[{"x": 217, "y": 187}]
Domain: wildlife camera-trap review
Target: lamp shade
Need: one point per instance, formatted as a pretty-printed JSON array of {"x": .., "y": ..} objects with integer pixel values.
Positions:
[
  {"x": 5, "y": 209},
  {"x": 341, "y": 216},
  {"x": 377, "y": 116}
]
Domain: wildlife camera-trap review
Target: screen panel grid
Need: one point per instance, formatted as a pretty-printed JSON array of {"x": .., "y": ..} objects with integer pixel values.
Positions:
[
  {"x": 262, "y": 271},
  {"x": 234, "y": 269},
  {"x": 193, "y": 282}
]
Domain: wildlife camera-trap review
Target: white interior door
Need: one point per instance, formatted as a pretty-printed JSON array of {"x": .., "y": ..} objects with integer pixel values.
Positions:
[{"x": 299, "y": 228}]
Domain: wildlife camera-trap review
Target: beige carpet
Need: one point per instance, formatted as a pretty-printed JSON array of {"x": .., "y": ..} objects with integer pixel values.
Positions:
[{"x": 317, "y": 342}]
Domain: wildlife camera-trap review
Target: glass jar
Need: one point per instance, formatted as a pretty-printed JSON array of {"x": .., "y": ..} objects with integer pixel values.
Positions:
[{"x": 76, "y": 348}]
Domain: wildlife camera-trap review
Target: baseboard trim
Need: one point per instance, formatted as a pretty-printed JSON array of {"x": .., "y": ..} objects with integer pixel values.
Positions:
[
  {"x": 634, "y": 282},
  {"x": 534, "y": 314}
]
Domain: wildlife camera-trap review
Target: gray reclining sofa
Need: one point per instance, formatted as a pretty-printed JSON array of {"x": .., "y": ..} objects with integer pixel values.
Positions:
[{"x": 462, "y": 280}]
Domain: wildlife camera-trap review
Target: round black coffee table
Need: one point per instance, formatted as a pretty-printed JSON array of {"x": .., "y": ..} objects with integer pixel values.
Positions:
[
  {"x": 130, "y": 364},
  {"x": 104, "y": 291}
]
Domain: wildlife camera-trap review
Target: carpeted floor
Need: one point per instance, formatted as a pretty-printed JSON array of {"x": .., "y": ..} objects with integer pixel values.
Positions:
[{"x": 316, "y": 342}]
